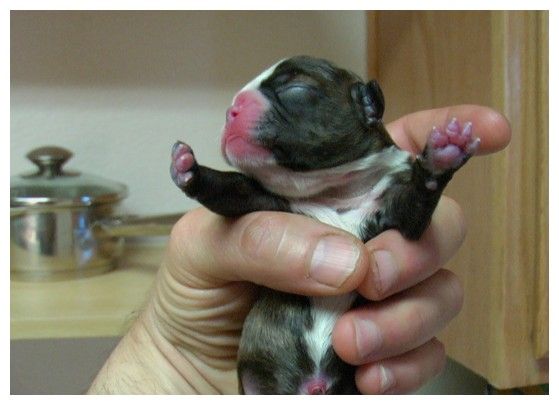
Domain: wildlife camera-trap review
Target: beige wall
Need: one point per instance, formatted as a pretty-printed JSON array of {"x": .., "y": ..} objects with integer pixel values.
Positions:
[{"x": 118, "y": 88}]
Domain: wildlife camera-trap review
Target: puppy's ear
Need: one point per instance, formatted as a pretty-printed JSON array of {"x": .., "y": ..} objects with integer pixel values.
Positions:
[{"x": 369, "y": 101}]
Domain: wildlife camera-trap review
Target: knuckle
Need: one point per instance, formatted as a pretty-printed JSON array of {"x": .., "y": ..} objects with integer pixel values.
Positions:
[
  {"x": 181, "y": 227},
  {"x": 439, "y": 356},
  {"x": 454, "y": 291},
  {"x": 187, "y": 258},
  {"x": 429, "y": 362},
  {"x": 261, "y": 235},
  {"x": 460, "y": 224},
  {"x": 441, "y": 300},
  {"x": 421, "y": 259},
  {"x": 182, "y": 232},
  {"x": 419, "y": 323}
]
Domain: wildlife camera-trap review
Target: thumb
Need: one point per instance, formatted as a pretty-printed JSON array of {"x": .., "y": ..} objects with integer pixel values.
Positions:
[{"x": 282, "y": 251}]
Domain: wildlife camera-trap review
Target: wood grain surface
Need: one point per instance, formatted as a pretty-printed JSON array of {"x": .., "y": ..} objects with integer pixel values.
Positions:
[
  {"x": 100, "y": 305},
  {"x": 499, "y": 59}
]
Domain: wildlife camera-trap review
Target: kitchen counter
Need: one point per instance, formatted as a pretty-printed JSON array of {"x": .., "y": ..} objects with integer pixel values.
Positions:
[{"x": 100, "y": 305}]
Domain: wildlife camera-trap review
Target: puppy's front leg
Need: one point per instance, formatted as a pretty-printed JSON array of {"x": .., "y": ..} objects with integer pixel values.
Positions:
[
  {"x": 409, "y": 203},
  {"x": 225, "y": 193}
]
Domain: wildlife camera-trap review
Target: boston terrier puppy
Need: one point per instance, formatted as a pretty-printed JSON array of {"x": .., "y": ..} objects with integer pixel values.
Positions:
[{"x": 308, "y": 138}]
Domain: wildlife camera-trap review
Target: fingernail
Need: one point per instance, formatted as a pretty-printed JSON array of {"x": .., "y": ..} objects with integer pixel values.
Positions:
[
  {"x": 333, "y": 260},
  {"x": 386, "y": 270},
  {"x": 386, "y": 378},
  {"x": 368, "y": 338}
]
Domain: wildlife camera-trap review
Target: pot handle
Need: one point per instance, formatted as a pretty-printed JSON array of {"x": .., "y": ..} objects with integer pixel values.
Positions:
[{"x": 134, "y": 225}]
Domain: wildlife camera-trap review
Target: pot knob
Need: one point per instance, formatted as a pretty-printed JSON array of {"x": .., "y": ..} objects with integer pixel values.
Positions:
[{"x": 49, "y": 160}]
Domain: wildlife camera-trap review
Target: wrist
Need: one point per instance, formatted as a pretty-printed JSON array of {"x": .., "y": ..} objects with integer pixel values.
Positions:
[
  {"x": 138, "y": 366},
  {"x": 150, "y": 359}
]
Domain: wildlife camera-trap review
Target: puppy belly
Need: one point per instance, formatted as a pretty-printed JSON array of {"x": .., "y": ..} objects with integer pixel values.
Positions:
[
  {"x": 325, "y": 311},
  {"x": 286, "y": 346}
]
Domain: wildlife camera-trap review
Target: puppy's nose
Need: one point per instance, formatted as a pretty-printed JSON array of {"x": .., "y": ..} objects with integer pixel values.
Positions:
[{"x": 232, "y": 112}]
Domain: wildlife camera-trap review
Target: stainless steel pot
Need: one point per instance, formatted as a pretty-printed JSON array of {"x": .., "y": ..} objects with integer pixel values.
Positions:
[{"x": 62, "y": 223}]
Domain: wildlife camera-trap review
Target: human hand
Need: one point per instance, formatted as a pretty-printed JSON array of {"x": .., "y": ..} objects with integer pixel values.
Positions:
[
  {"x": 191, "y": 326},
  {"x": 393, "y": 340}
]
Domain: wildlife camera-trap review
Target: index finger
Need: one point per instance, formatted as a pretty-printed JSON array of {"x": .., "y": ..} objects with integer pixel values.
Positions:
[{"x": 410, "y": 131}]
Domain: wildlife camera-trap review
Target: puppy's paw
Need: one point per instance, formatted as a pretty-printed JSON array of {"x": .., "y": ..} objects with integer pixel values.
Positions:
[
  {"x": 182, "y": 164},
  {"x": 449, "y": 148}
]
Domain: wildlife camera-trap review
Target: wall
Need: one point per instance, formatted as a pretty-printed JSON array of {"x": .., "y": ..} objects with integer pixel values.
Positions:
[{"x": 118, "y": 88}]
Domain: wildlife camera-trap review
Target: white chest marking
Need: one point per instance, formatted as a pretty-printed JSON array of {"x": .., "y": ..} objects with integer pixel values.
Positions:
[
  {"x": 326, "y": 310},
  {"x": 349, "y": 214},
  {"x": 363, "y": 173}
]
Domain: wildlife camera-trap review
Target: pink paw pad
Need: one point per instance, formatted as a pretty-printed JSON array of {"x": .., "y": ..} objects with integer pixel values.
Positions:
[
  {"x": 451, "y": 147},
  {"x": 182, "y": 162}
]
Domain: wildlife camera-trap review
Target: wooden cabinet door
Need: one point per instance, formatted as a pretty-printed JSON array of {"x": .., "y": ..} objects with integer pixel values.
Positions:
[{"x": 500, "y": 59}]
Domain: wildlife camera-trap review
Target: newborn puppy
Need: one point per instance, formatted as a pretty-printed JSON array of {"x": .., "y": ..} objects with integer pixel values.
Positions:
[{"x": 308, "y": 138}]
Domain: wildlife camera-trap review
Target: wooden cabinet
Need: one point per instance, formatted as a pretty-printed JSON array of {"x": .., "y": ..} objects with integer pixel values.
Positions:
[{"x": 500, "y": 59}]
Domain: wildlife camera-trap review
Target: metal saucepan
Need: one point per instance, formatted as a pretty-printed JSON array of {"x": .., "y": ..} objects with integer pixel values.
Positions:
[{"x": 62, "y": 223}]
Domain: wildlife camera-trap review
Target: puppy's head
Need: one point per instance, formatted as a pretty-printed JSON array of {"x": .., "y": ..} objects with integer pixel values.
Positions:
[{"x": 304, "y": 114}]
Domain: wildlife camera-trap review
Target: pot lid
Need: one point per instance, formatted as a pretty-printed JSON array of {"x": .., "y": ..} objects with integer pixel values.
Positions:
[{"x": 53, "y": 186}]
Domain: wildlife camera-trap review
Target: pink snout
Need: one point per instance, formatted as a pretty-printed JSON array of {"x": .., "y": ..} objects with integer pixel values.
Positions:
[
  {"x": 249, "y": 104},
  {"x": 239, "y": 140},
  {"x": 231, "y": 113}
]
